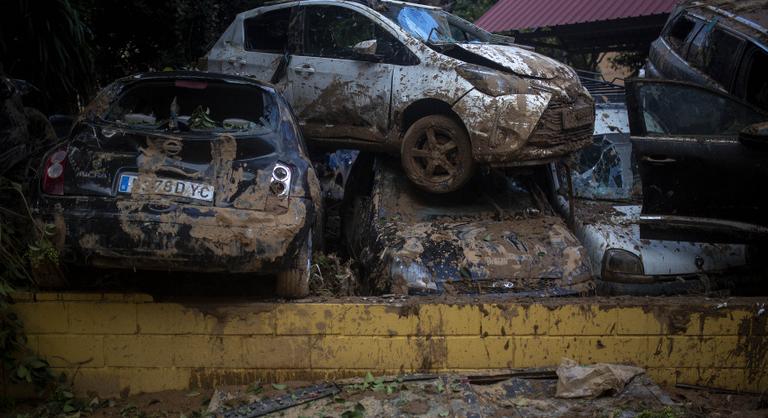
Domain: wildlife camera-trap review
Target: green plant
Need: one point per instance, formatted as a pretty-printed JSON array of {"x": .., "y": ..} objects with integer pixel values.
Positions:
[
  {"x": 667, "y": 412},
  {"x": 18, "y": 364}
]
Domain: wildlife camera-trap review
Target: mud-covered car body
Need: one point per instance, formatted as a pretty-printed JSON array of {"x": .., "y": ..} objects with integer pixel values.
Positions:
[
  {"x": 607, "y": 204},
  {"x": 496, "y": 236},
  {"x": 717, "y": 43},
  {"x": 516, "y": 106},
  {"x": 149, "y": 180}
]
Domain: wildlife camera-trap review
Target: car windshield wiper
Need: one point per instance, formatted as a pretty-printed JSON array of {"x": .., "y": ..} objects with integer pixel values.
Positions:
[{"x": 431, "y": 31}]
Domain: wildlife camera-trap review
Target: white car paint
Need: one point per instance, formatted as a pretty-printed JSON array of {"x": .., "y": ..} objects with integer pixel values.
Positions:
[{"x": 366, "y": 101}]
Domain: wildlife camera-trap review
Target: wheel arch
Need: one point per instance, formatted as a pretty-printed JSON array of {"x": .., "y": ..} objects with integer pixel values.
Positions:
[{"x": 427, "y": 107}]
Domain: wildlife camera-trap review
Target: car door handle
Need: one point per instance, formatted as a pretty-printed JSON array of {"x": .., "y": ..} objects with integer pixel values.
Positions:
[
  {"x": 653, "y": 160},
  {"x": 304, "y": 69}
]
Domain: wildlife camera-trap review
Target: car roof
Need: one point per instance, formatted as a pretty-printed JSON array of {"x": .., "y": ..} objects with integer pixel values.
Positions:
[
  {"x": 363, "y": 2},
  {"x": 201, "y": 75},
  {"x": 751, "y": 14}
]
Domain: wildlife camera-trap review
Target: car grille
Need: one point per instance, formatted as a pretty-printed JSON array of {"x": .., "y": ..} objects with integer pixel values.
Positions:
[{"x": 549, "y": 131}]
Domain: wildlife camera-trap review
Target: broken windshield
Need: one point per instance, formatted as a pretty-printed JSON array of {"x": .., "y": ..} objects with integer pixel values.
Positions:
[
  {"x": 432, "y": 26},
  {"x": 605, "y": 170},
  {"x": 194, "y": 105}
]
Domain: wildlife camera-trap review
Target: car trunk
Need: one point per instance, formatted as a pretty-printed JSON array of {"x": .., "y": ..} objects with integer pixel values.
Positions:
[{"x": 202, "y": 169}]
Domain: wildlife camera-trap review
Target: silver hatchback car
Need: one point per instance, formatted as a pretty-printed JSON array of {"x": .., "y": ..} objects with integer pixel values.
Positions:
[{"x": 411, "y": 80}]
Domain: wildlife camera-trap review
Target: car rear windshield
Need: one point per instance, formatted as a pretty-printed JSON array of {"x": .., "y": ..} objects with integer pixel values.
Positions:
[{"x": 194, "y": 105}]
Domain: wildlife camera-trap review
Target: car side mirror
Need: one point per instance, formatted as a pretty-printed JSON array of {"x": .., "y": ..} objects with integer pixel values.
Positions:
[
  {"x": 366, "y": 49},
  {"x": 755, "y": 135}
]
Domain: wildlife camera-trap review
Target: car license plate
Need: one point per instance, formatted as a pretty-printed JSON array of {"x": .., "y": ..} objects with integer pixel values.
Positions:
[
  {"x": 129, "y": 183},
  {"x": 577, "y": 117}
]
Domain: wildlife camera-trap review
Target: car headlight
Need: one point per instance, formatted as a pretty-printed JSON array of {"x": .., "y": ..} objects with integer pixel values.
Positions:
[
  {"x": 621, "y": 262},
  {"x": 491, "y": 82}
]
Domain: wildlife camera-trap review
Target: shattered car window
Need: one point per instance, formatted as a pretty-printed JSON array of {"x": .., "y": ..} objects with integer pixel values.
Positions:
[
  {"x": 431, "y": 26},
  {"x": 189, "y": 105},
  {"x": 705, "y": 112},
  {"x": 605, "y": 170}
]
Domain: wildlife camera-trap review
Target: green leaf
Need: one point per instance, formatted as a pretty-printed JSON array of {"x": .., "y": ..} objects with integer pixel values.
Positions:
[
  {"x": 255, "y": 388},
  {"x": 22, "y": 372},
  {"x": 278, "y": 386},
  {"x": 368, "y": 378},
  {"x": 37, "y": 364}
]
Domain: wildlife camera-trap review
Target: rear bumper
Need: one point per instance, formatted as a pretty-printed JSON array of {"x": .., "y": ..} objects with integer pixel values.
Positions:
[{"x": 127, "y": 234}]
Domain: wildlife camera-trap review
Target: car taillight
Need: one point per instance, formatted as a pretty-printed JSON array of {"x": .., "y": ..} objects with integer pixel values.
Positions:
[
  {"x": 53, "y": 173},
  {"x": 281, "y": 180}
]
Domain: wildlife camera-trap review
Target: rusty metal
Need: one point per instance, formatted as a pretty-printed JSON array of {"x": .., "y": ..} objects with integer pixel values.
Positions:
[{"x": 282, "y": 402}]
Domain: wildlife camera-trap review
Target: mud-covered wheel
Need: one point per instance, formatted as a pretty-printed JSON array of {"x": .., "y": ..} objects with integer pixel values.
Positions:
[
  {"x": 293, "y": 283},
  {"x": 437, "y": 155}
]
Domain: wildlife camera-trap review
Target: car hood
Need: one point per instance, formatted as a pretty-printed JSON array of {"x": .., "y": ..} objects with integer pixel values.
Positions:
[
  {"x": 603, "y": 225},
  {"x": 511, "y": 256},
  {"x": 521, "y": 61}
]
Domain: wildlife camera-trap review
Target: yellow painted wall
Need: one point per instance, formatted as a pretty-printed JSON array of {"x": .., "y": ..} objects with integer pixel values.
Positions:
[{"x": 130, "y": 343}]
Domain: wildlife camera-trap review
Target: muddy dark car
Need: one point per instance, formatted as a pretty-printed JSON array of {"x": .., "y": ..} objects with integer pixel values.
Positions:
[
  {"x": 722, "y": 44},
  {"x": 498, "y": 236},
  {"x": 185, "y": 171},
  {"x": 413, "y": 81}
]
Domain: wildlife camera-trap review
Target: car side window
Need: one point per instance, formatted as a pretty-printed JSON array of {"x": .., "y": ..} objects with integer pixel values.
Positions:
[
  {"x": 722, "y": 52},
  {"x": 655, "y": 110},
  {"x": 679, "y": 32},
  {"x": 757, "y": 79},
  {"x": 268, "y": 32},
  {"x": 333, "y": 32}
]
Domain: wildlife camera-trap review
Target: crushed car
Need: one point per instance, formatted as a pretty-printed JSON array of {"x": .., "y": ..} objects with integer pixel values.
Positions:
[
  {"x": 413, "y": 81},
  {"x": 184, "y": 171},
  {"x": 499, "y": 236},
  {"x": 599, "y": 190}
]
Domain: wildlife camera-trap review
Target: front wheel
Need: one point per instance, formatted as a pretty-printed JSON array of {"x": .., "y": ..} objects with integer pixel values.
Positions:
[
  {"x": 293, "y": 283},
  {"x": 437, "y": 155}
]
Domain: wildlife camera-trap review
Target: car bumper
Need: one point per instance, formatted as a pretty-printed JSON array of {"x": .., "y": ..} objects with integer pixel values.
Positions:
[
  {"x": 125, "y": 234},
  {"x": 525, "y": 129}
]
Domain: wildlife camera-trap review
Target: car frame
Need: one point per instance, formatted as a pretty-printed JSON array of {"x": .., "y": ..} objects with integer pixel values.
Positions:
[
  {"x": 442, "y": 105},
  {"x": 254, "y": 206}
]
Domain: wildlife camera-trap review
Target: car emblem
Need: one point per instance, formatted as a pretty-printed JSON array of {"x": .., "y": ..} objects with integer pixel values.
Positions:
[{"x": 172, "y": 147}]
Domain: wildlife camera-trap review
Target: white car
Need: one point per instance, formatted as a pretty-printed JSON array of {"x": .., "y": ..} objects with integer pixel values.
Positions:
[
  {"x": 606, "y": 207},
  {"x": 411, "y": 80}
]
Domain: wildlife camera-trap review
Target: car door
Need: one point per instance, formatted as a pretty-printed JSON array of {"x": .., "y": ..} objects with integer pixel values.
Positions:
[
  {"x": 337, "y": 92},
  {"x": 265, "y": 44},
  {"x": 694, "y": 159}
]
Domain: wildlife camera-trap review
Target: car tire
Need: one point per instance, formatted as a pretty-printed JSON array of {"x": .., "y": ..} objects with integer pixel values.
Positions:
[
  {"x": 436, "y": 154},
  {"x": 293, "y": 283}
]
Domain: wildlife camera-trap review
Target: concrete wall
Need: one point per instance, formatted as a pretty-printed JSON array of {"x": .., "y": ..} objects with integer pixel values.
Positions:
[{"x": 130, "y": 343}]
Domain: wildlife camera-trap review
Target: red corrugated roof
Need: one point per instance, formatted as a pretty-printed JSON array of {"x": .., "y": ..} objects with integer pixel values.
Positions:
[{"x": 525, "y": 14}]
